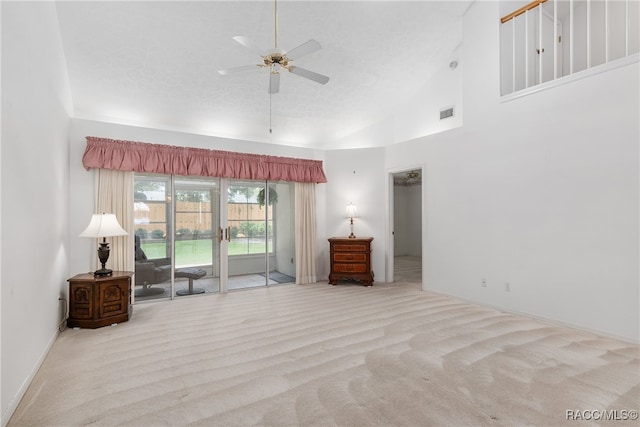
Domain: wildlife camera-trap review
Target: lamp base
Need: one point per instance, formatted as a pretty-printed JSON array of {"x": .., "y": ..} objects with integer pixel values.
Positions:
[
  {"x": 103, "y": 272},
  {"x": 352, "y": 236},
  {"x": 103, "y": 255}
]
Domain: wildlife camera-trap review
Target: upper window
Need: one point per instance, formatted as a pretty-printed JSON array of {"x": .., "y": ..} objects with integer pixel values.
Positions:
[{"x": 544, "y": 40}]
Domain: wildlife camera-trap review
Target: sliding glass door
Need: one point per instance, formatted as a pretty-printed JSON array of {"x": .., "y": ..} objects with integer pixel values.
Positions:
[
  {"x": 201, "y": 235},
  {"x": 153, "y": 236},
  {"x": 177, "y": 250},
  {"x": 197, "y": 239},
  {"x": 261, "y": 244},
  {"x": 282, "y": 267}
]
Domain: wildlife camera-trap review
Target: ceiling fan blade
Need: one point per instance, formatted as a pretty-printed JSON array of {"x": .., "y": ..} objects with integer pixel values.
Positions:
[
  {"x": 274, "y": 83},
  {"x": 249, "y": 44},
  {"x": 304, "y": 49},
  {"x": 239, "y": 69},
  {"x": 302, "y": 72}
]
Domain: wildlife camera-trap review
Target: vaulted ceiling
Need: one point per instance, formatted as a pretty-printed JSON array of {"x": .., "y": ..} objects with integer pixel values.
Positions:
[{"x": 155, "y": 63}]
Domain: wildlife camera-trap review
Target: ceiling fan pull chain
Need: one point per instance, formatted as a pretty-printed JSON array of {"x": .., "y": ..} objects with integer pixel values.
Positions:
[{"x": 270, "y": 130}]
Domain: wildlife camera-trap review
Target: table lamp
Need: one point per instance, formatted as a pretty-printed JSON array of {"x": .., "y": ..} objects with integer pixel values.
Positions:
[
  {"x": 103, "y": 225},
  {"x": 352, "y": 212}
]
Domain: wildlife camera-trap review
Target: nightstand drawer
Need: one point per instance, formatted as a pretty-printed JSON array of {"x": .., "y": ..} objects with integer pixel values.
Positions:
[
  {"x": 337, "y": 247},
  {"x": 350, "y": 268},
  {"x": 342, "y": 257}
]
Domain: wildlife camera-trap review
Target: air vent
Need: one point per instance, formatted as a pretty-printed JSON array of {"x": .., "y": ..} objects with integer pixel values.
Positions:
[{"x": 446, "y": 113}]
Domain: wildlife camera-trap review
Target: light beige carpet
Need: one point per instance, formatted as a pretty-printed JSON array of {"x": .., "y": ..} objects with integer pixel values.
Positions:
[
  {"x": 407, "y": 269},
  {"x": 321, "y": 355}
]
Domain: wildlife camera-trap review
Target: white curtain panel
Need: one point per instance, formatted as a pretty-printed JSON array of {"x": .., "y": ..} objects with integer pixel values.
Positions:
[
  {"x": 114, "y": 194},
  {"x": 305, "y": 224}
]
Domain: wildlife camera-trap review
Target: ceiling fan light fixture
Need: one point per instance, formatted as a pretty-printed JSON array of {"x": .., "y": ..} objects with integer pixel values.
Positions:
[
  {"x": 412, "y": 177},
  {"x": 276, "y": 58}
]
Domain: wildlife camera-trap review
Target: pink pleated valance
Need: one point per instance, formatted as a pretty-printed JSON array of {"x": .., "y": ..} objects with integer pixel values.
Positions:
[{"x": 167, "y": 159}]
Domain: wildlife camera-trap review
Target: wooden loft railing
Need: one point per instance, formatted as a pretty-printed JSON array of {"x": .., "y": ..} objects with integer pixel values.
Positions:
[
  {"x": 546, "y": 40},
  {"x": 522, "y": 10}
]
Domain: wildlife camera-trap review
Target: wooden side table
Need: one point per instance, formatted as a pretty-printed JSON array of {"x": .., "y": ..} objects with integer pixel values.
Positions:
[
  {"x": 96, "y": 301},
  {"x": 350, "y": 259}
]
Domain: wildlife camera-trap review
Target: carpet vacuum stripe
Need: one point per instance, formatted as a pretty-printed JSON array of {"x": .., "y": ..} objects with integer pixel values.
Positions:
[{"x": 319, "y": 355}]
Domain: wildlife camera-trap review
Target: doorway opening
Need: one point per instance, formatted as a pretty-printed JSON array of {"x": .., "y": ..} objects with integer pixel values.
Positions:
[{"x": 407, "y": 225}]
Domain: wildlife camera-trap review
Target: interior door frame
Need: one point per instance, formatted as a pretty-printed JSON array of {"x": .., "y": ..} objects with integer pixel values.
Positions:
[{"x": 390, "y": 224}]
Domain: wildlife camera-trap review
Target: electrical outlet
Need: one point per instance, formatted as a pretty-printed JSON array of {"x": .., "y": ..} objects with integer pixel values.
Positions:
[
  {"x": 484, "y": 283},
  {"x": 507, "y": 287}
]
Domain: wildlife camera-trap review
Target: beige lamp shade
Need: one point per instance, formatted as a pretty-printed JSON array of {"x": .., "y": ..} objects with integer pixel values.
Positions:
[
  {"x": 103, "y": 225},
  {"x": 352, "y": 211}
]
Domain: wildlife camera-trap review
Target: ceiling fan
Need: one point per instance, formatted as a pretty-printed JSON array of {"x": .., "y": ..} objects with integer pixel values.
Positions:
[
  {"x": 408, "y": 179},
  {"x": 277, "y": 59},
  {"x": 412, "y": 177}
]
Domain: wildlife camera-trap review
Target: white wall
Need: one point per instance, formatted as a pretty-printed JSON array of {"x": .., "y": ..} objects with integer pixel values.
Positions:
[
  {"x": 540, "y": 192},
  {"x": 35, "y": 193},
  {"x": 421, "y": 115},
  {"x": 355, "y": 176}
]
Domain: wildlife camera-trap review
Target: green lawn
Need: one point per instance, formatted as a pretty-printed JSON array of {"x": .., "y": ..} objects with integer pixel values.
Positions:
[{"x": 198, "y": 252}]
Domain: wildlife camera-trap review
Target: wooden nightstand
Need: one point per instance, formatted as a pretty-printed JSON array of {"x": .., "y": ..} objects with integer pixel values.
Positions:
[
  {"x": 99, "y": 301},
  {"x": 350, "y": 259}
]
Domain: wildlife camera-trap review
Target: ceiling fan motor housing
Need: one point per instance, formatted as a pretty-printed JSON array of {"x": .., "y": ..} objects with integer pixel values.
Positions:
[{"x": 276, "y": 56}]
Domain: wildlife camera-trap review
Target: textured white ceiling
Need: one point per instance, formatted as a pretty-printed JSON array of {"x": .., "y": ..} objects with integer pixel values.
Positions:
[{"x": 154, "y": 63}]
